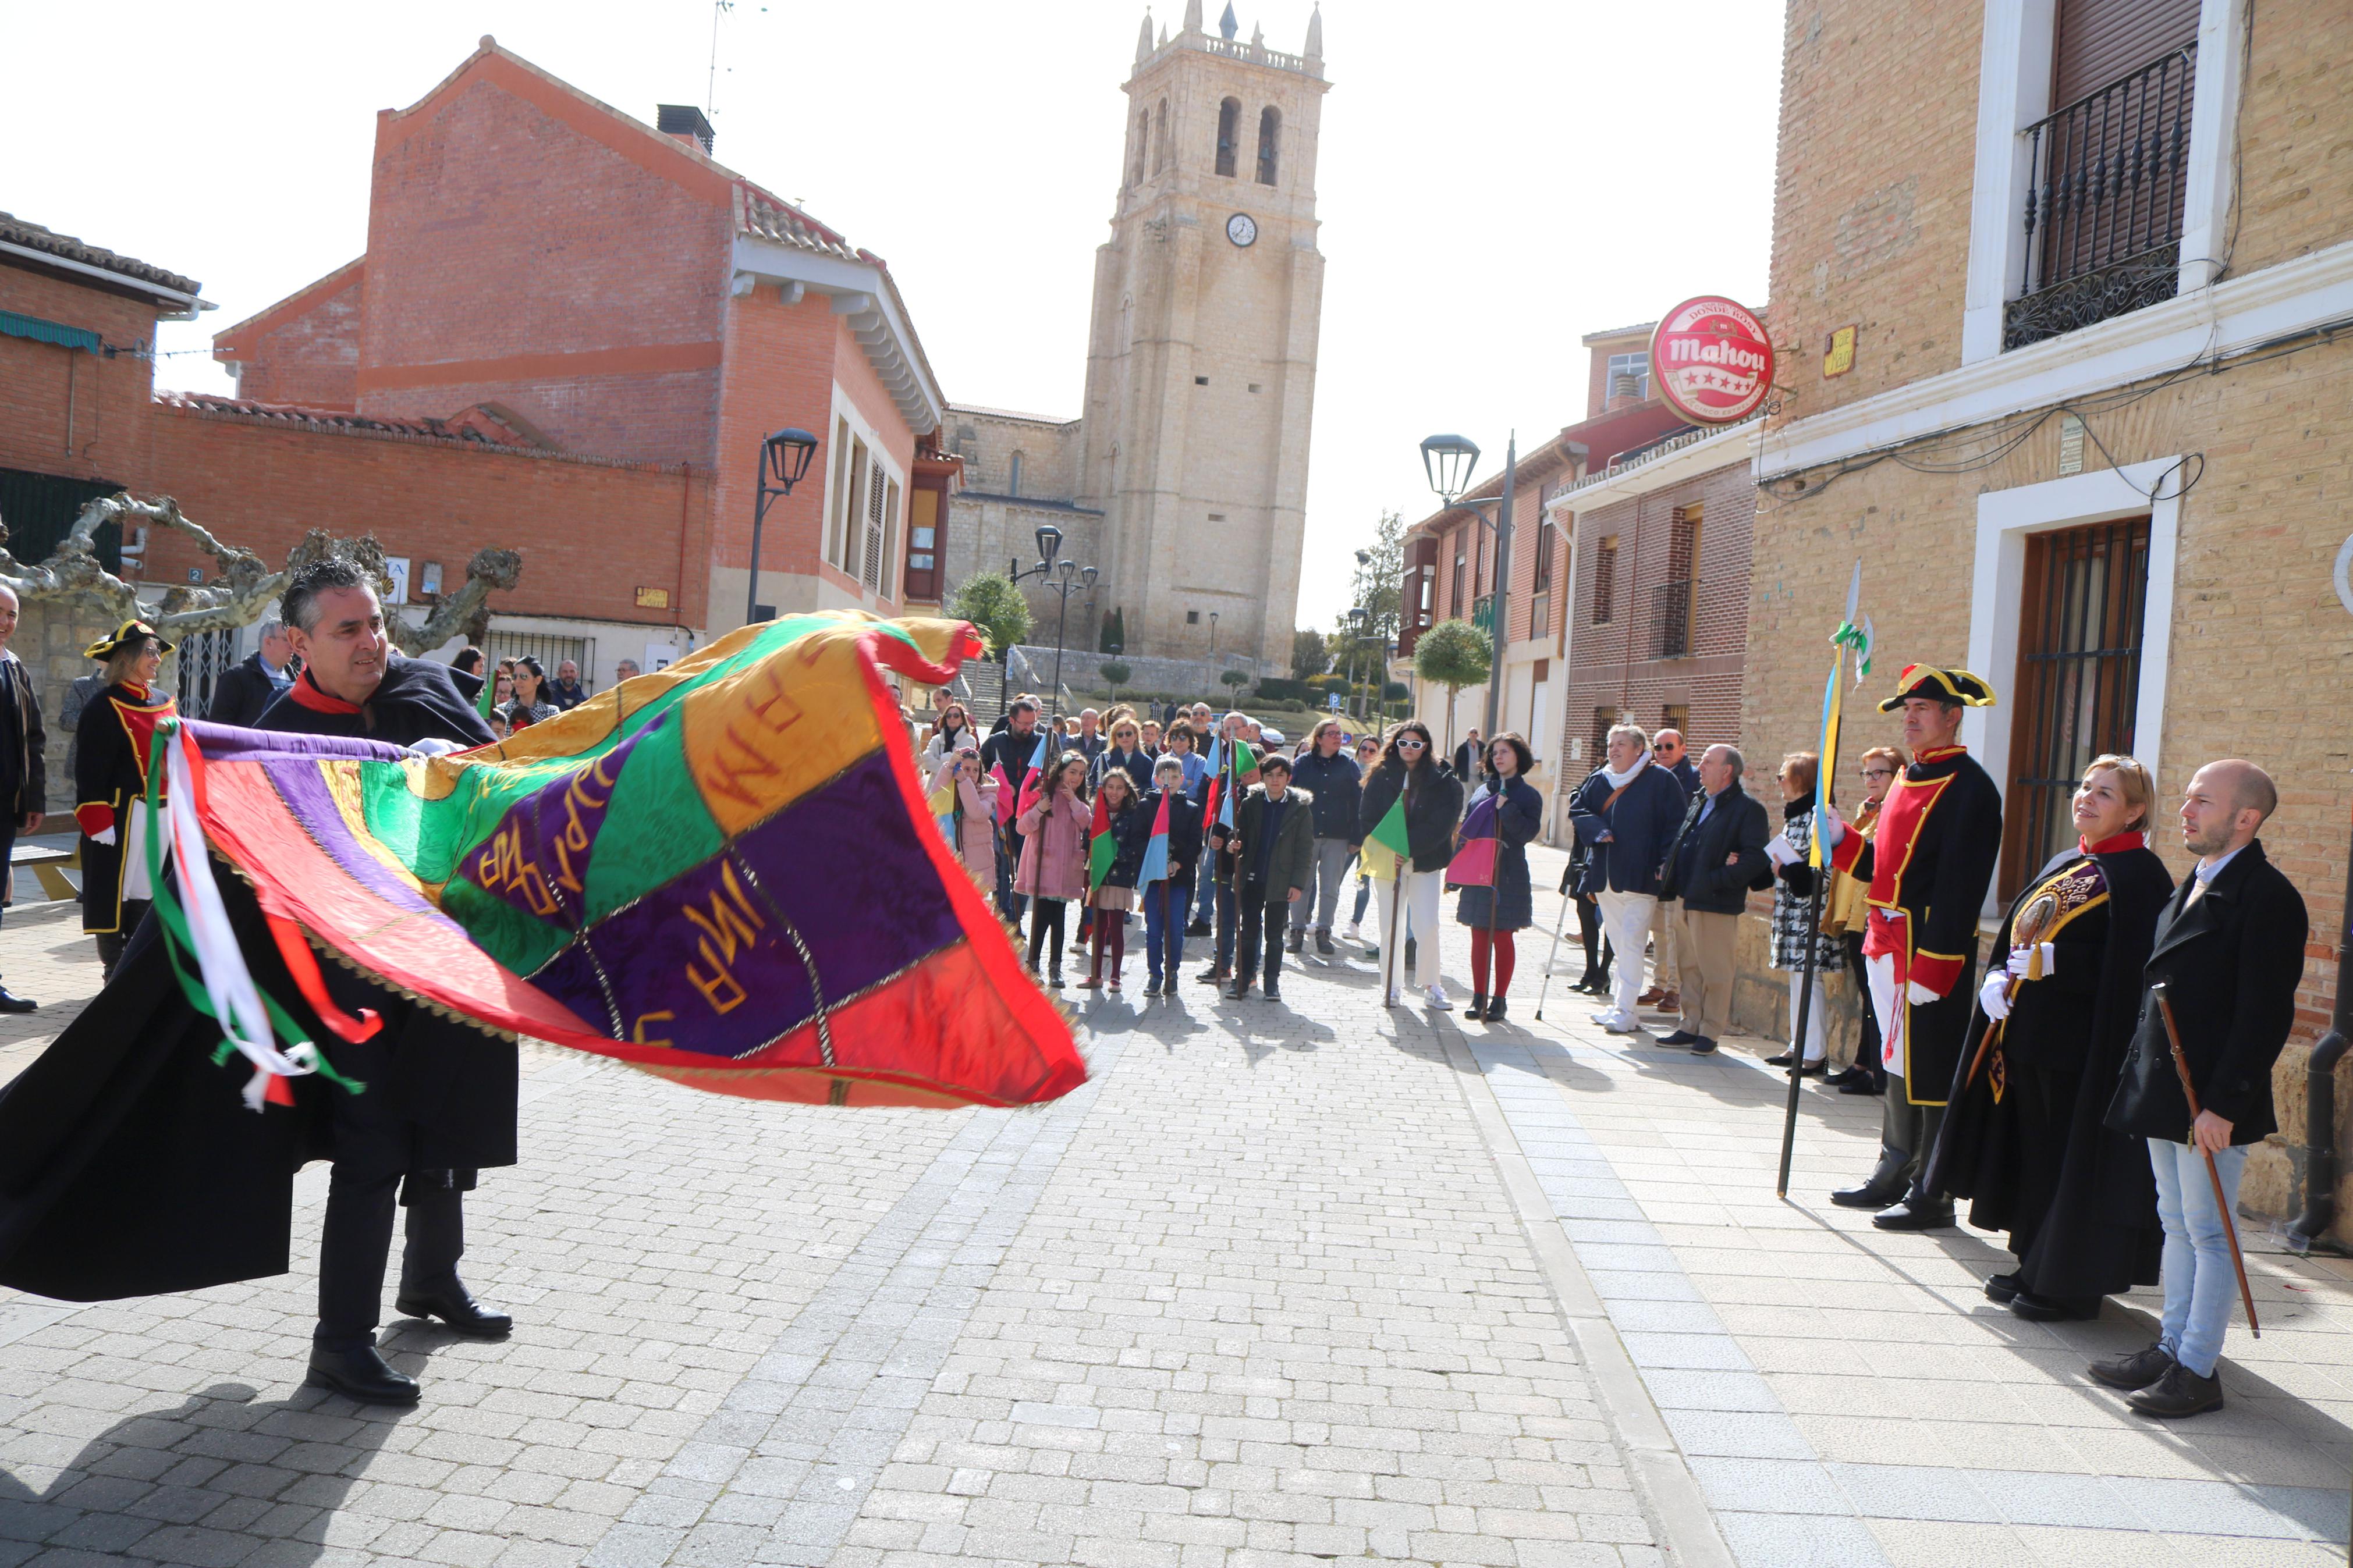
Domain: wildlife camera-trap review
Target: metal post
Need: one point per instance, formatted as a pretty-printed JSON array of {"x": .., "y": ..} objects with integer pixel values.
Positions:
[
  {"x": 1061, "y": 633},
  {"x": 759, "y": 516},
  {"x": 1502, "y": 584}
]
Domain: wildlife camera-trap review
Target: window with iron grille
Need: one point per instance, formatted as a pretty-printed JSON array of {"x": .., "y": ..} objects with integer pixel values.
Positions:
[
  {"x": 1605, "y": 580},
  {"x": 205, "y": 658},
  {"x": 2079, "y": 648},
  {"x": 1676, "y": 599},
  {"x": 1603, "y": 717},
  {"x": 551, "y": 652}
]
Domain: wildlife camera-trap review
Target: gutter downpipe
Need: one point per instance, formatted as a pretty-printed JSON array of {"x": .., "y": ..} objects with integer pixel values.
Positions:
[{"x": 2321, "y": 1165}]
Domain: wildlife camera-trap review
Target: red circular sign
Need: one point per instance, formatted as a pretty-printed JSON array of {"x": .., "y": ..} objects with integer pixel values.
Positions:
[{"x": 1711, "y": 360}]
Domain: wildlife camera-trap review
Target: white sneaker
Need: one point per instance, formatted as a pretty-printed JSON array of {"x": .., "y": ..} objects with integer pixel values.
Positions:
[
  {"x": 1619, "y": 1023},
  {"x": 1437, "y": 999},
  {"x": 1604, "y": 1015},
  {"x": 1394, "y": 999},
  {"x": 1354, "y": 933}
]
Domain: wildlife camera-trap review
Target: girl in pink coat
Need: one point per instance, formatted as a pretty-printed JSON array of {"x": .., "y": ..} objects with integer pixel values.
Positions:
[
  {"x": 1053, "y": 868},
  {"x": 972, "y": 820}
]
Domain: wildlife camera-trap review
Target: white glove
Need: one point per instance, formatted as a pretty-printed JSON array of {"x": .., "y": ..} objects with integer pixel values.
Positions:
[
  {"x": 1830, "y": 825},
  {"x": 1780, "y": 852},
  {"x": 434, "y": 746},
  {"x": 105, "y": 837},
  {"x": 1994, "y": 996},
  {"x": 2022, "y": 960},
  {"x": 1919, "y": 995}
]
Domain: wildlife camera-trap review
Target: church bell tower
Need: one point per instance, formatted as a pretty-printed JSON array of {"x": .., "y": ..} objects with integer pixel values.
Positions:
[{"x": 1201, "y": 347}]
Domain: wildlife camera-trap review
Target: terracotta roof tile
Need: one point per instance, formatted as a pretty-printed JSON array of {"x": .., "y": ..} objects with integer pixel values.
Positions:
[
  {"x": 475, "y": 427},
  {"x": 14, "y": 230}
]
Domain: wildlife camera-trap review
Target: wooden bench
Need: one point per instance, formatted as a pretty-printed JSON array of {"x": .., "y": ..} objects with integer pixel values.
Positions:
[{"x": 50, "y": 863}]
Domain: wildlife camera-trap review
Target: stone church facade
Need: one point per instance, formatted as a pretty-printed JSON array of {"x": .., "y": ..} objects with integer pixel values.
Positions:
[{"x": 1184, "y": 479}]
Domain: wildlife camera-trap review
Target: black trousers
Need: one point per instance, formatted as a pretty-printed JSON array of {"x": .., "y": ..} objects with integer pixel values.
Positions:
[
  {"x": 1588, "y": 931},
  {"x": 1907, "y": 1132},
  {"x": 357, "y": 1241},
  {"x": 1263, "y": 913}
]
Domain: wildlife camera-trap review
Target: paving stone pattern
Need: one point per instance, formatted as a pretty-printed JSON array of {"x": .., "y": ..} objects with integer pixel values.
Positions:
[{"x": 1259, "y": 1295}]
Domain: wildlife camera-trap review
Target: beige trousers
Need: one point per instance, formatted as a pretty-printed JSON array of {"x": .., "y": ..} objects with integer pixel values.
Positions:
[
  {"x": 1704, "y": 947},
  {"x": 1666, "y": 954}
]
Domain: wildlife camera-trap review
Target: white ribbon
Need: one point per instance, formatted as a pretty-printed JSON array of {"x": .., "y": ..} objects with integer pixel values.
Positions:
[{"x": 236, "y": 1000}]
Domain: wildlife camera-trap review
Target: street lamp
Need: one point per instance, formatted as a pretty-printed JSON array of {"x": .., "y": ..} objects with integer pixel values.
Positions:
[
  {"x": 1063, "y": 578},
  {"x": 1355, "y": 648},
  {"x": 784, "y": 459},
  {"x": 1448, "y": 462},
  {"x": 1213, "y": 633}
]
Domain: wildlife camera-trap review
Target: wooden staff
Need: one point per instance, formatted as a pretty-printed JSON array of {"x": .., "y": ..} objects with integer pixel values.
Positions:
[
  {"x": 2031, "y": 922},
  {"x": 2182, "y": 1065}
]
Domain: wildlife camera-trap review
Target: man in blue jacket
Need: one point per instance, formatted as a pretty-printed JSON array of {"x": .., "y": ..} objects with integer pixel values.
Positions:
[
  {"x": 1719, "y": 851},
  {"x": 1331, "y": 776},
  {"x": 1626, "y": 816}
]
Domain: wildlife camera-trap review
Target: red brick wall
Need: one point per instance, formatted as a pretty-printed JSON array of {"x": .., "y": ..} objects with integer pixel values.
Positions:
[
  {"x": 523, "y": 250},
  {"x": 108, "y": 439},
  {"x": 1615, "y": 665},
  {"x": 306, "y": 350},
  {"x": 591, "y": 535}
]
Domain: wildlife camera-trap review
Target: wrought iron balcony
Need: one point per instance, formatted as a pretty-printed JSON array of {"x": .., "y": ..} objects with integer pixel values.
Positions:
[{"x": 2106, "y": 178}]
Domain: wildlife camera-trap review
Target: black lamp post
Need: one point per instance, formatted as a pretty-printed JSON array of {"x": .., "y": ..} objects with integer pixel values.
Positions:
[
  {"x": 1062, "y": 578},
  {"x": 1355, "y": 651},
  {"x": 784, "y": 459},
  {"x": 1447, "y": 462},
  {"x": 1213, "y": 633}
]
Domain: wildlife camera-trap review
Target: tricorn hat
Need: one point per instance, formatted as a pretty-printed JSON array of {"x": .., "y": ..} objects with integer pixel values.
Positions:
[
  {"x": 128, "y": 632},
  {"x": 1941, "y": 685}
]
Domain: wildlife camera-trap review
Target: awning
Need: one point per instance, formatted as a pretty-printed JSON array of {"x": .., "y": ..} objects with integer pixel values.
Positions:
[{"x": 13, "y": 325}]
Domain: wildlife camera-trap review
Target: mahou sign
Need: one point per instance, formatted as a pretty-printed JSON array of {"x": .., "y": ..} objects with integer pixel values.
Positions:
[{"x": 1712, "y": 361}]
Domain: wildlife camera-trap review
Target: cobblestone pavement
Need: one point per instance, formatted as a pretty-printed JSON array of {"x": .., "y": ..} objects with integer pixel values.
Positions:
[{"x": 1283, "y": 1285}]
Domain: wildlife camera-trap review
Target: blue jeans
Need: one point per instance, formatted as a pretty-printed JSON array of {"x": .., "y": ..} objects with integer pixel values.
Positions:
[
  {"x": 2200, "y": 1283},
  {"x": 1202, "y": 903},
  {"x": 1165, "y": 906}
]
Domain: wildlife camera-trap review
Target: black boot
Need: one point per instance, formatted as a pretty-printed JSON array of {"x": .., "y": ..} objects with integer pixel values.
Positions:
[
  {"x": 1478, "y": 1008},
  {"x": 1494, "y": 1014},
  {"x": 454, "y": 1305},
  {"x": 359, "y": 1374}
]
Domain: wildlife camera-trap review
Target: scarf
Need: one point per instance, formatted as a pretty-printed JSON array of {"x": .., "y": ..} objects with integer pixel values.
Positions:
[{"x": 1620, "y": 781}]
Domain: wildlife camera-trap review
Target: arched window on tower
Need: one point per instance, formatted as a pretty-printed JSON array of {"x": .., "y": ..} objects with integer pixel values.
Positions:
[
  {"x": 1143, "y": 140},
  {"x": 1230, "y": 130},
  {"x": 1160, "y": 140},
  {"x": 1269, "y": 144}
]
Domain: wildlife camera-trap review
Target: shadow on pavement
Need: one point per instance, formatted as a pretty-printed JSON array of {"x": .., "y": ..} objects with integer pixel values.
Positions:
[{"x": 202, "y": 1482}]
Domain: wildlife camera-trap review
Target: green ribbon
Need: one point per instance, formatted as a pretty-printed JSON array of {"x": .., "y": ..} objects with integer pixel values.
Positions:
[
  {"x": 177, "y": 938},
  {"x": 1850, "y": 636}
]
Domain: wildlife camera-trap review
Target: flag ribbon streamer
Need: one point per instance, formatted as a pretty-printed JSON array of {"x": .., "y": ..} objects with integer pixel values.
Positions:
[{"x": 195, "y": 923}]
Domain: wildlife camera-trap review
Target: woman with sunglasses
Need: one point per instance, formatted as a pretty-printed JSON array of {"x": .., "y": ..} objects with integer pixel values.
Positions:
[
  {"x": 1844, "y": 913},
  {"x": 952, "y": 733},
  {"x": 1433, "y": 805}
]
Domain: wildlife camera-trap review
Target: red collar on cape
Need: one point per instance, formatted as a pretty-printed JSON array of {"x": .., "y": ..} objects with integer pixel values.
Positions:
[
  {"x": 1937, "y": 753},
  {"x": 2130, "y": 839},
  {"x": 306, "y": 692}
]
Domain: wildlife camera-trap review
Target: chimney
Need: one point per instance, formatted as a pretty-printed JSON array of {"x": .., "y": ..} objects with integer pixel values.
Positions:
[
  {"x": 1625, "y": 392},
  {"x": 684, "y": 121}
]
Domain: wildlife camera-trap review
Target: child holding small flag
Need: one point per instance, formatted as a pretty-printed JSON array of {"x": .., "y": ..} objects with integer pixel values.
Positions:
[
  {"x": 1167, "y": 877},
  {"x": 1114, "y": 856},
  {"x": 1053, "y": 871}
]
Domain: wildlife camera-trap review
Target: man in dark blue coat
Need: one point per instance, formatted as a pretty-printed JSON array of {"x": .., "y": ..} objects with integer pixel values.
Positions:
[
  {"x": 1626, "y": 816},
  {"x": 1717, "y": 853}
]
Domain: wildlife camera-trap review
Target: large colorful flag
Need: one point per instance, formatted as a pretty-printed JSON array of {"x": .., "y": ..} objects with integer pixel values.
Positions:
[
  {"x": 1155, "y": 852},
  {"x": 719, "y": 873},
  {"x": 1216, "y": 780},
  {"x": 1386, "y": 846},
  {"x": 1033, "y": 782},
  {"x": 1102, "y": 848}
]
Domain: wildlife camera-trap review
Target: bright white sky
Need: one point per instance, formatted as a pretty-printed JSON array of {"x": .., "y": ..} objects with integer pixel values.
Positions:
[{"x": 1496, "y": 177}]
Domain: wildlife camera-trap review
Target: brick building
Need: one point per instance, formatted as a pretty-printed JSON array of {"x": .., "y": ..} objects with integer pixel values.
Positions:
[
  {"x": 1556, "y": 658},
  {"x": 2093, "y": 446},
  {"x": 593, "y": 393}
]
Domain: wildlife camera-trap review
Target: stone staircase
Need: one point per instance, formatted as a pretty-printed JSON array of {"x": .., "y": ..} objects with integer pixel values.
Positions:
[{"x": 981, "y": 686}]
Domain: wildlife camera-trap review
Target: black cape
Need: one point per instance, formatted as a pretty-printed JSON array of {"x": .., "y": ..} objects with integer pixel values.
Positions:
[
  {"x": 129, "y": 1164},
  {"x": 2099, "y": 1234}
]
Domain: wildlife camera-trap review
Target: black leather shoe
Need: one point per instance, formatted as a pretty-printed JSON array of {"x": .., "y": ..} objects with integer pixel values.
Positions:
[
  {"x": 1845, "y": 1076},
  {"x": 1198, "y": 928},
  {"x": 359, "y": 1374},
  {"x": 1887, "y": 1184},
  {"x": 2003, "y": 1288},
  {"x": 1494, "y": 1014},
  {"x": 12, "y": 1002},
  {"x": 1273, "y": 993},
  {"x": 1298, "y": 938},
  {"x": 1680, "y": 1037},
  {"x": 2136, "y": 1371},
  {"x": 2181, "y": 1391},
  {"x": 1864, "y": 1086},
  {"x": 1477, "y": 1011},
  {"x": 1703, "y": 1046},
  {"x": 455, "y": 1306},
  {"x": 1780, "y": 1061},
  {"x": 1323, "y": 943},
  {"x": 1916, "y": 1213},
  {"x": 2037, "y": 1309},
  {"x": 1214, "y": 977},
  {"x": 1241, "y": 993}
]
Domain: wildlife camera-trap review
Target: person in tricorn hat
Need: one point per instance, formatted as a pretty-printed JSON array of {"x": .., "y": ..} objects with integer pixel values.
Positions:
[
  {"x": 110, "y": 785},
  {"x": 1928, "y": 865}
]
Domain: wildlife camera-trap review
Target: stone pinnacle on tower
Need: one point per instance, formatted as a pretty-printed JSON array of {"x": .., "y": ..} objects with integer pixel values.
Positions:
[
  {"x": 1315, "y": 33},
  {"x": 1192, "y": 17},
  {"x": 1227, "y": 25},
  {"x": 1144, "y": 38}
]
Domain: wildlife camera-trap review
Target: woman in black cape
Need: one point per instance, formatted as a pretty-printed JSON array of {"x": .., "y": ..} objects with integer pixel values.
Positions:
[{"x": 2025, "y": 1137}]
